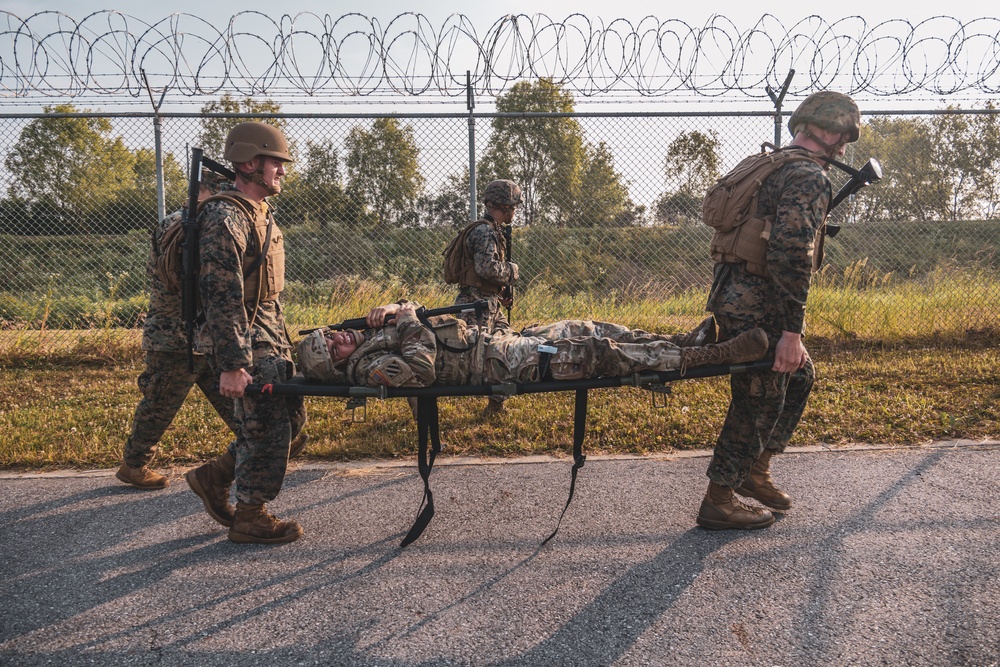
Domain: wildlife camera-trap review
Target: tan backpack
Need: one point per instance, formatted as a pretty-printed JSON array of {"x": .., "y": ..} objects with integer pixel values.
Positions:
[
  {"x": 730, "y": 207},
  {"x": 455, "y": 264}
]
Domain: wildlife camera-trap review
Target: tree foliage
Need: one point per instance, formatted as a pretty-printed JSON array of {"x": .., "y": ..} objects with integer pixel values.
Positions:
[
  {"x": 565, "y": 180},
  {"x": 383, "y": 170},
  {"x": 70, "y": 175},
  {"x": 691, "y": 167},
  {"x": 214, "y": 129},
  {"x": 944, "y": 167},
  {"x": 318, "y": 194}
]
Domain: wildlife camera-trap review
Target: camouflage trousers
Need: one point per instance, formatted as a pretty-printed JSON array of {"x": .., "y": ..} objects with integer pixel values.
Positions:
[
  {"x": 267, "y": 426},
  {"x": 491, "y": 321},
  {"x": 764, "y": 411},
  {"x": 165, "y": 383},
  {"x": 594, "y": 329},
  {"x": 583, "y": 349}
]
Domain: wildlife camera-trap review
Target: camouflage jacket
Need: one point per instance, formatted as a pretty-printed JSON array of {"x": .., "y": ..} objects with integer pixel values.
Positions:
[
  {"x": 798, "y": 195},
  {"x": 484, "y": 246},
  {"x": 228, "y": 244},
  {"x": 163, "y": 330}
]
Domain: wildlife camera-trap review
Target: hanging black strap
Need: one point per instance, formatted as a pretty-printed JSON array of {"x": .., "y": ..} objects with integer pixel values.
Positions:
[
  {"x": 579, "y": 430},
  {"x": 427, "y": 429}
]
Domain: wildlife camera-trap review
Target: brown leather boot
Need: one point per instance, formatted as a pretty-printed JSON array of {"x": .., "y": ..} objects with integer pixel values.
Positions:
[
  {"x": 255, "y": 525},
  {"x": 721, "y": 510},
  {"x": 142, "y": 478},
  {"x": 703, "y": 334},
  {"x": 748, "y": 346},
  {"x": 211, "y": 482},
  {"x": 758, "y": 485},
  {"x": 296, "y": 446}
]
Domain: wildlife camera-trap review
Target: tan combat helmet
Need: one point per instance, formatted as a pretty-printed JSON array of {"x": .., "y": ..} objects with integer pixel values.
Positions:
[
  {"x": 248, "y": 140},
  {"x": 828, "y": 110},
  {"x": 503, "y": 192}
]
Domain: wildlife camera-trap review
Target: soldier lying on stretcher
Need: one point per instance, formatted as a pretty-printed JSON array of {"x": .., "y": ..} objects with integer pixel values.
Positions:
[{"x": 399, "y": 350}]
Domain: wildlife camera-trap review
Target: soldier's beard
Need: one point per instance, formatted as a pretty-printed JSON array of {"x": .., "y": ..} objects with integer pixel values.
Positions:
[{"x": 258, "y": 178}]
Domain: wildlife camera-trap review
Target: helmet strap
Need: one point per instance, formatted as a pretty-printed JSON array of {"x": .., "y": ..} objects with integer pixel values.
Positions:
[{"x": 827, "y": 148}]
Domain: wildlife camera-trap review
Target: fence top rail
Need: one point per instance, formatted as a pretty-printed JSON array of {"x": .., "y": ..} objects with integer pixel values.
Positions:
[{"x": 464, "y": 116}]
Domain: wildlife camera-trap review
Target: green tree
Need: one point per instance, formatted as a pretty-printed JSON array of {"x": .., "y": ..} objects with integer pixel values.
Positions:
[
  {"x": 383, "y": 170},
  {"x": 215, "y": 129},
  {"x": 604, "y": 198},
  {"x": 545, "y": 156},
  {"x": 449, "y": 206},
  {"x": 966, "y": 150},
  {"x": 914, "y": 186},
  {"x": 71, "y": 176},
  {"x": 691, "y": 167},
  {"x": 317, "y": 194}
]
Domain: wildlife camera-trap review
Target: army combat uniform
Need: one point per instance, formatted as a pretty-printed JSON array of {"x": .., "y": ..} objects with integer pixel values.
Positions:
[
  {"x": 487, "y": 273},
  {"x": 446, "y": 351},
  {"x": 766, "y": 406},
  {"x": 166, "y": 381},
  {"x": 245, "y": 328}
]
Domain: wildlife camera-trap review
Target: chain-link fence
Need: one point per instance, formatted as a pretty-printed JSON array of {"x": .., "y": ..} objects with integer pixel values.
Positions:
[{"x": 610, "y": 229}]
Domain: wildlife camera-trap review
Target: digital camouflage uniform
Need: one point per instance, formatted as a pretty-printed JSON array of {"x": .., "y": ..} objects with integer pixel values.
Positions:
[
  {"x": 766, "y": 406},
  {"x": 484, "y": 249},
  {"x": 408, "y": 353},
  {"x": 228, "y": 243},
  {"x": 166, "y": 381}
]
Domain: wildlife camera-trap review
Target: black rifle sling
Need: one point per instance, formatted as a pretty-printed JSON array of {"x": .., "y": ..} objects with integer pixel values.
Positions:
[
  {"x": 579, "y": 430},
  {"x": 427, "y": 429}
]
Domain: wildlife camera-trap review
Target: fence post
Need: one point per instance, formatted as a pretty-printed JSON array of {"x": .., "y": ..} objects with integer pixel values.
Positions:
[
  {"x": 161, "y": 207},
  {"x": 470, "y": 104},
  {"x": 778, "y": 99}
]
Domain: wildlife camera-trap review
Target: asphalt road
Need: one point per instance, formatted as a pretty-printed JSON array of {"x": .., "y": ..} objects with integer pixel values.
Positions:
[{"x": 889, "y": 558}]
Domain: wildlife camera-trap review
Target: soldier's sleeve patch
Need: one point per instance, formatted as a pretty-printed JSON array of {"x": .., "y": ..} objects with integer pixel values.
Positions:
[{"x": 390, "y": 372}]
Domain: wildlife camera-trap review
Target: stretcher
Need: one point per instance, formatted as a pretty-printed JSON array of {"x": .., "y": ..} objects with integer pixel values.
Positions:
[{"x": 428, "y": 431}]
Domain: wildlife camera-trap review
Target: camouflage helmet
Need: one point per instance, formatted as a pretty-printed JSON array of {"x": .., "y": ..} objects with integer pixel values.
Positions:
[
  {"x": 315, "y": 361},
  {"x": 829, "y": 110},
  {"x": 504, "y": 192},
  {"x": 212, "y": 181},
  {"x": 248, "y": 140}
]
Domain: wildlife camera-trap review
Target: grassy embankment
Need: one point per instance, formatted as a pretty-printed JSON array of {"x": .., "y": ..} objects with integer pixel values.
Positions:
[{"x": 888, "y": 378}]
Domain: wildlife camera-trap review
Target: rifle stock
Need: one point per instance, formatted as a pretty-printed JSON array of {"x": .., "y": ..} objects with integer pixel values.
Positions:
[
  {"x": 189, "y": 257},
  {"x": 869, "y": 174}
]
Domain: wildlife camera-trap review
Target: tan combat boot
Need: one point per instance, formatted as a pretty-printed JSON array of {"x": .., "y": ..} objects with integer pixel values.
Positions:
[
  {"x": 142, "y": 478},
  {"x": 296, "y": 446},
  {"x": 748, "y": 346},
  {"x": 721, "y": 510},
  {"x": 255, "y": 525},
  {"x": 758, "y": 485},
  {"x": 211, "y": 482}
]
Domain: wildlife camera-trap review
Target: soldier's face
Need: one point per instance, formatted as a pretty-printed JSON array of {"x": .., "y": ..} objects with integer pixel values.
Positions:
[
  {"x": 274, "y": 170},
  {"x": 341, "y": 345},
  {"x": 507, "y": 213},
  {"x": 836, "y": 142}
]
